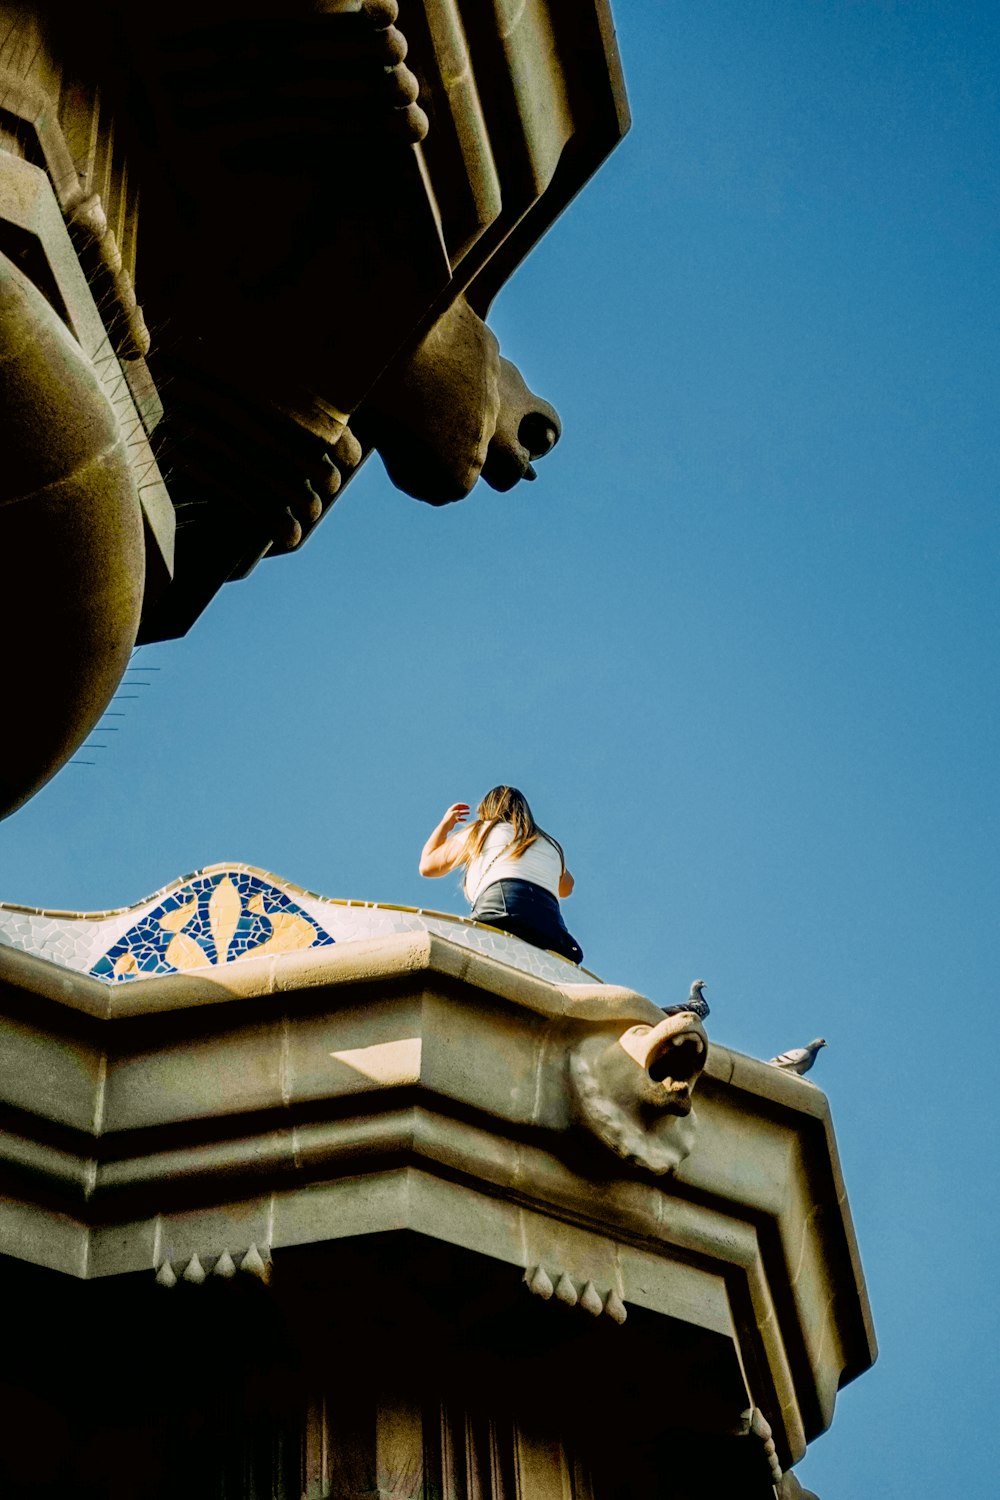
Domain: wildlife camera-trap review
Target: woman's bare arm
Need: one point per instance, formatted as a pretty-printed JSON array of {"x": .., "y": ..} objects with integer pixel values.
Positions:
[
  {"x": 566, "y": 883},
  {"x": 442, "y": 854}
]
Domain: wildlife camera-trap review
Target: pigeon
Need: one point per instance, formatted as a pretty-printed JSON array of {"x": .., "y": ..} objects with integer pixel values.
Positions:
[
  {"x": 799, "y": 1059},
  {"x": 695, "y": 1002}
]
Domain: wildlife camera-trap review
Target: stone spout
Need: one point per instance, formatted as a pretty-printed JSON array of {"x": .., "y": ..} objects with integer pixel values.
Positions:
[
  {"x": 633, "y": 1089},
  {"x": 71, "y": 541},
  {"x": 454, "y": 410},
  {"x": 527, "y": 428},
  {"x": 671, "y": 1056}
]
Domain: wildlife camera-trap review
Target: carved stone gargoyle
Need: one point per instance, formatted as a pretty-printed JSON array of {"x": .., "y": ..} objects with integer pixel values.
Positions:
[
  {"x": 317, "y": 253},
  {"x": 633, "y": 1090}
]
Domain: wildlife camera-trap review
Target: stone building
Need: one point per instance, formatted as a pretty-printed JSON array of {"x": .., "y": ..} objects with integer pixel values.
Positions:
[
  {"x": 305, "y": 1198},
  {"x": 308, "y": 1198},
  {"x": 316, "y": 202}
]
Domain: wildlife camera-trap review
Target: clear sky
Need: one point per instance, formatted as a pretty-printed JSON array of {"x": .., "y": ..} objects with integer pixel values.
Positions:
[{"x": 737, "y": 643}]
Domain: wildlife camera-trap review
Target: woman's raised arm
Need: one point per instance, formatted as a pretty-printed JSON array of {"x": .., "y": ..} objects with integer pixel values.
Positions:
[{"x": 442, "y": 854}]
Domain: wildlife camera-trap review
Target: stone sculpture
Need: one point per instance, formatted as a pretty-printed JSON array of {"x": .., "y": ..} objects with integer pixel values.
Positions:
[
  {"x": 495, "y": 426},
  {"x": 634, "y": 1090},
  {"x": 383, "y": 1140},
  {"x": 317, "y": 201}
]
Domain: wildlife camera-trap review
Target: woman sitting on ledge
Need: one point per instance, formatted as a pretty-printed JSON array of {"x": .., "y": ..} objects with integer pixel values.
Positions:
[{"x": 514, "y": 871}]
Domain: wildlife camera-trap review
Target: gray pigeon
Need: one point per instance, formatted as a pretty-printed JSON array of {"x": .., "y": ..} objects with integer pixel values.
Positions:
[
  {"x": 798, "y": 1059},
  {"x": 695, "y": 1002}
]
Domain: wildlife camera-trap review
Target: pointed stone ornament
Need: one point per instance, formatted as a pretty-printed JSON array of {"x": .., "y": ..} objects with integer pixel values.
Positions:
[
  {"x": 615, "y": 1308},
  {"x": 540, "y": 1283},
  {"x": 566, "y": 1291},
  {"x": 224, "y": 1266},
  {"x": 759, "y": 1425},
  {"x": 590, "y": 1301},
  {"x": 253, "y": 1264},
  {"x": 165, "y": 1275},
  {"x": 194, "y": 1271}
]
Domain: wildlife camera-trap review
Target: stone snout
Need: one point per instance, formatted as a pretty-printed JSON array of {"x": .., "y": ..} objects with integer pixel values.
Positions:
[
  {"x": 633, "y": 1091},
  {"x": 455, "y": 409},
  {"x": 670, "y": 1058}
]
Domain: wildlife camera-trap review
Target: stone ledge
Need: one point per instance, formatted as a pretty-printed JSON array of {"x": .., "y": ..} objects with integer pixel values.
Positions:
[{"x": 270, "y": 1103}]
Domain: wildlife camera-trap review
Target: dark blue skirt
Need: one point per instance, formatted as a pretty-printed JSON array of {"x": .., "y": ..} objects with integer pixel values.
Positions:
[{"x": 528, "y": 911}]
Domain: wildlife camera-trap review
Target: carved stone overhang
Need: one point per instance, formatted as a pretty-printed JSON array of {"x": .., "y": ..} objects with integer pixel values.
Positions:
[
  {"x": 200, "y": 1125},
  {"x": 316, "y": 202},
  {"x": 86, "y": 524},
  {"x": 302, "y": 193}
]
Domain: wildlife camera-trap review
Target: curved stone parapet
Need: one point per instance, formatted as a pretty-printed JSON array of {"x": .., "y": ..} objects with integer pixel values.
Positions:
[{"x": 225, "y": 913}]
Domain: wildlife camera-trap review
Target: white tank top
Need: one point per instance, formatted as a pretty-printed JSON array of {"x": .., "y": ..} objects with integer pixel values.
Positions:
[{"x": 539, "y": 863}]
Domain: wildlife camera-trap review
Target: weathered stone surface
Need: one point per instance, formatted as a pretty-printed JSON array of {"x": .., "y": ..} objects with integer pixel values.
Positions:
[
  {"x": 41, "y": 212},
  {"x": 311, "y": 315},
  {"x": 87, "y": 525},
  {"x": 453, "y": 410},
  {"x": 634, "y": 1089},
  {"x": 71, "y": 538},
  {"x": 372, "y": 1087},
  {"x": 299, "y": 301}
]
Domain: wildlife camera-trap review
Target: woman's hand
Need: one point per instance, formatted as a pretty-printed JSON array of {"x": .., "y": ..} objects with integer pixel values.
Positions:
[
  {"x": 457, "y": 813},
  {"x": 439, "y": 855}
]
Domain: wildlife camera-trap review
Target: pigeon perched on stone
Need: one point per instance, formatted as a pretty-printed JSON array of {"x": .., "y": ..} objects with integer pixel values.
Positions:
[
  {"x": 695, "y": 1002},
  {"x": 798, "y": 1059}
]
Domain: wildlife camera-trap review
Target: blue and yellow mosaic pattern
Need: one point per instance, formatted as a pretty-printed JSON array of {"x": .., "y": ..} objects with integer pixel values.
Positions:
[
  {"x": 212, "y": 919},
  {"x": 227, "y": 912}
]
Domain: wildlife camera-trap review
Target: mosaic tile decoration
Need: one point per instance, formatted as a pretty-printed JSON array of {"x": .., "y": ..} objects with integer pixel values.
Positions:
[
  {"x": 227, "y": 912},
  {"x": 213, "y": 919}
]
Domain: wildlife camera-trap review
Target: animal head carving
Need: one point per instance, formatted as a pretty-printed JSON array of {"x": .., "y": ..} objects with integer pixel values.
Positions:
[
  {"x": 455, "y": 409},
  {"x": 633, "y": 1090}
]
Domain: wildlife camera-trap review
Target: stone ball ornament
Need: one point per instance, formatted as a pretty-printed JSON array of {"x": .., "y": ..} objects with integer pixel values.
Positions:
[
  {"x": 633, "y": 1091},
  {"x": 71, "y": 536}
]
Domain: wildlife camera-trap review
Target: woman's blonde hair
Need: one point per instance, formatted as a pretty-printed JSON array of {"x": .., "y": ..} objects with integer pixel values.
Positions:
[{"x": 505, "y": 804}]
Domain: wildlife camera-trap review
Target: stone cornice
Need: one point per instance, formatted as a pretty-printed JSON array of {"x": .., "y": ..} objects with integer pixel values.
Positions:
[{"x": 410, "y": 1082}]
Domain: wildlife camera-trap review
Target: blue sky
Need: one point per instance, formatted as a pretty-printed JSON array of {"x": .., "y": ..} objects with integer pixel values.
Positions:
[{"x": 737, "y": 643}]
